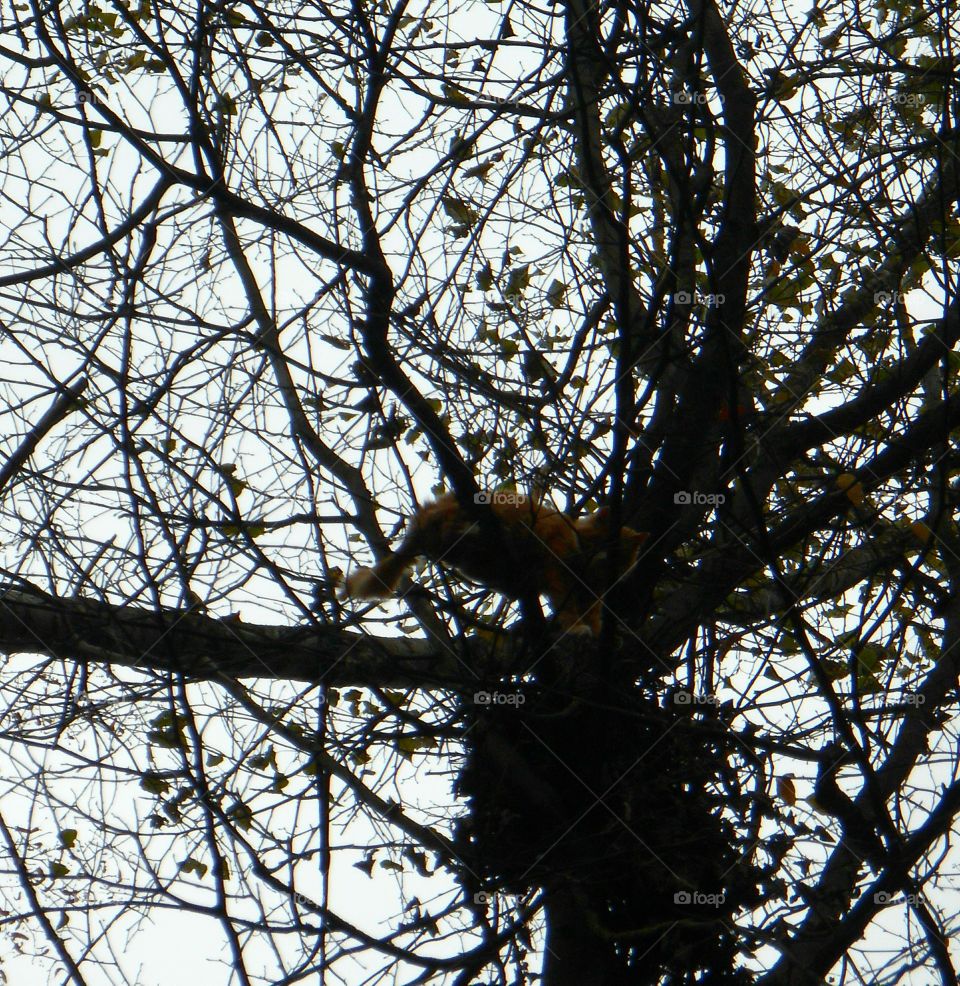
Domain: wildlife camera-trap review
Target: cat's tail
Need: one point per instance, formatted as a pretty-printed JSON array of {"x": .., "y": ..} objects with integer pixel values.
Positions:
[{"x": 381, "y": 580}]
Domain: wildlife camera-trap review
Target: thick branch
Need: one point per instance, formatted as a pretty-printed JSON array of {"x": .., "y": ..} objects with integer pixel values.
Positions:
[
  {"x": 722, "y": 574},
  {"x": 185, "y": 641},
  {"x": 902, "y": 246}
]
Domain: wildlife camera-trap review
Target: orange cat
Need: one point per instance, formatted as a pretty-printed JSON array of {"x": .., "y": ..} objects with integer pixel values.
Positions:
[{"x": 550, "y": 554}]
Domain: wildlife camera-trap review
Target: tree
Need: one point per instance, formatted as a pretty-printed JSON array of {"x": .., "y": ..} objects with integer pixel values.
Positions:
[{"x": 273, "y": 276}]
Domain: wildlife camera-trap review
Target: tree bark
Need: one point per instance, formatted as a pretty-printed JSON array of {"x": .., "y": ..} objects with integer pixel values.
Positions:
[
  {"x": 573, "y": 954},
  {"x": 90, "y": 632}
]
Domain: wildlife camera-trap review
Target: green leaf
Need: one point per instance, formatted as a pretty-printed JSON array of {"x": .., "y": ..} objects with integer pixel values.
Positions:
[
  {"x": 518, "y": 281},
  {"x": 265, "y": 759},
  {"x": 167, "y": 732},
  {"x": 479, "y": 170},
  {"x": 870, "y": 657},
  {"x": 366, "y": 864},
  {"x": 336, "y": 342},
  {"x": 459, "y": 211},
  {"x": 191, "y": 865},
  {"x": 154, "y": 784},
  {"x": 556, "y": 293},
  {"x": 834, "y": 669},
  {"x": 241, "y": 815}
]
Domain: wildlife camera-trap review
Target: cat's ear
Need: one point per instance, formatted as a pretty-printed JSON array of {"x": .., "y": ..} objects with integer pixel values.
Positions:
[{"x": 633, "y": 542}]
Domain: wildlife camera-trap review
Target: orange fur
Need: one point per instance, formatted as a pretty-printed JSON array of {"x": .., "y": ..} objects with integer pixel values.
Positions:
[{"x": 550, "y": 554}]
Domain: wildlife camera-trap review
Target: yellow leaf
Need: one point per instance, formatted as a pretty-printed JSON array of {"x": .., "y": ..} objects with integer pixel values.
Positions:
[
  {"x": 455, "y": 95},
  {"x": 849, "y": 484},
  {"x": 409, "y": 745}
]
